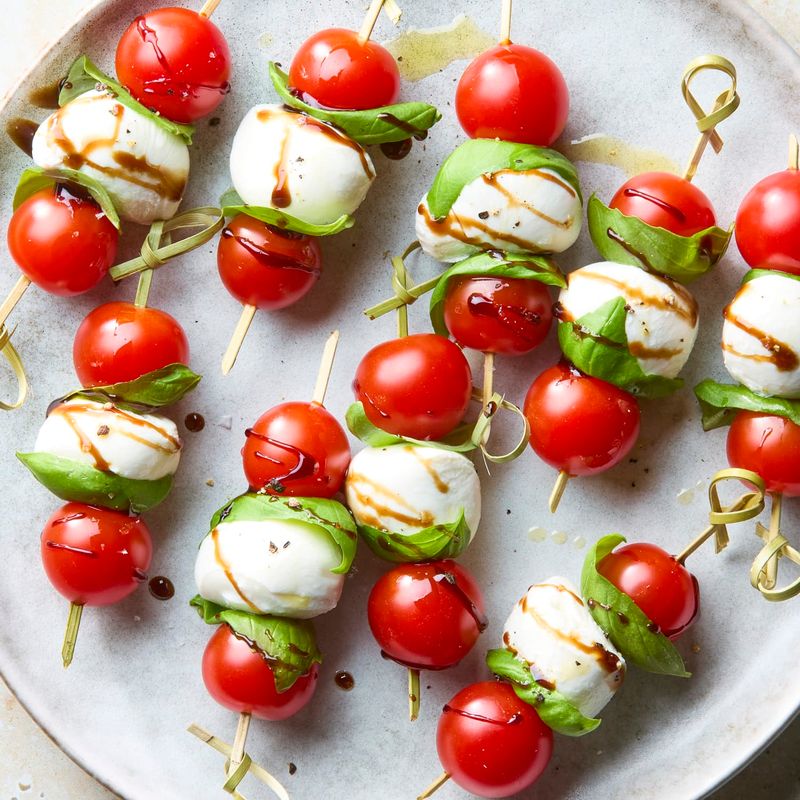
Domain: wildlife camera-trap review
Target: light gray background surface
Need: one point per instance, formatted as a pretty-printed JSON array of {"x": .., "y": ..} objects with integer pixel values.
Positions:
[{"x": 30, "y": 766}]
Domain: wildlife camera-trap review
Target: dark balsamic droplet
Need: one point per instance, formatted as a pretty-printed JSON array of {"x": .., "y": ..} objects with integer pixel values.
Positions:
[
  {"x": 194, "y": 422},
  {"x": 292, "y": 768},
  {"x": 161, "y": 588},
  {"x": 344, "y": 680}
]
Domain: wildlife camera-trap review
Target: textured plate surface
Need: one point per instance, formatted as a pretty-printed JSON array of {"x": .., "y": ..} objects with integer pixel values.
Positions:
[{"x": 122, "y": 708}]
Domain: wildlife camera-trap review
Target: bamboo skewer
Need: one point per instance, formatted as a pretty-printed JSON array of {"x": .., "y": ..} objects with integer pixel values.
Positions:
[
  {"x": 235, "y": 344},
  {"x": 325, "y": 368},
  {"x": 370, "y": 20},
  {"x": 209, "y": 7},
  {"x": 505, "y": 22}
]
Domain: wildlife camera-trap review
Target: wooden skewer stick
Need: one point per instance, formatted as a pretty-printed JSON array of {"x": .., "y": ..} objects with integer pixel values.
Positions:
[
  {"x": 488, "y": 386},
  {"x": 696, "y": 543},
  {"x": 71, "y": 634},
  {"x": 794, "y": 152},
  {"x": 143, "y": 288},
  {"x": 370, "y": 20},
  {"x": 209, "y": 7},
  {"x": 325, "y": 367},
  {"x": 239, "y": 741},
  {"x": 435, "y": 786},
  {"x": 14, "y": 296},
  {"x": 505, "y": 22},
  {"x": 235, "y": 345},
  {"x": 413, "y": 693},
  {"x": 773, "y": 532},
  {"x": 558, "y": 490}
]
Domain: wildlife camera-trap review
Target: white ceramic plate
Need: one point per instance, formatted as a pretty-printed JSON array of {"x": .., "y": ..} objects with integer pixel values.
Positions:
[{"x": 122, "y": 709}]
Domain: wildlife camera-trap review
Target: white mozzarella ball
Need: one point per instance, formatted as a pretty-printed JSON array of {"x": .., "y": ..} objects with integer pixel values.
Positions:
[
  {"x": 143, "y": 167},
  {"x": 662, "y": 319},
  {"x": 406, "y": 488},
  {"x": 310, "y": 170},
  {"x": 137, "y": 446},
  {"x": 551, "y": 629},
  {"x": 272, "y": 566},
  {"x": 534, "y": 211},
  {"x": 761, "y": 336}
]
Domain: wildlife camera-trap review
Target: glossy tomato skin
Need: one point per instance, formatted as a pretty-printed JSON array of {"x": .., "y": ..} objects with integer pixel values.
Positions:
[
  {"x": 264, "y": 267},
  {"x": 120, "y": 342},
  {"x": 426, "y": 616},
  {"x": 239, "y": 677},
  {"x": 62, "y": 242},
  {"x": 337, "y": 70},
  {"x": 417, "y": 386},
  {"x": 296, "y": 450},
  {"x": 509, "y": 316},
  {"x": 768, "y": 223},
  {"x": 663, "y": 589},
  {"x": 501, "y": 749},
  {"x": 580, "y": 424},
  {"x": 514, "y": 93},
  {"x": 94, "y": 556},
  {"x": 769, "y": 446},
  {"x": 665, "y": 200},
  {"x": 175, "y": 62}
]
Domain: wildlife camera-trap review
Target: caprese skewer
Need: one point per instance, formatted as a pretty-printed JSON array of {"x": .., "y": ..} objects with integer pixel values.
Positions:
[
  {"x": 300, "y": 167},
  {"x": 274, "y": 558},
  {"x": 627, "y": 325},
  {"x": 761, "y": 352},
  {"x": 117, "y": 151}
]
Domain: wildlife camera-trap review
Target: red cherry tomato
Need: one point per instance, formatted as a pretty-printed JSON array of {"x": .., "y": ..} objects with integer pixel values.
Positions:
[
  {"x": 239, "y": 677},
  {"x": 265, "y": 267},
  {"x": 296, "y": 450},
  {"x": 498, "y": 315},
  {"x": 338, "y": 70},
  {"x": 769, "y": 446},
  {"x": 663, "y": 589},
  {"x": 664, "y": 200},
  {"x": 175, "y": 62},
  {"x": 580, "y": 424},
  {"x": 768, "y": 223},
  {"x": 417, "y": 386},
  {"x": 426, "y": 616},
  {"x": 94, "y": 556},
  {"x": 515, "y": 93},
  {"x": 490, "y": 742},
  {"x": 62, "y": 242},
  {"x": 120, "y": 342}
]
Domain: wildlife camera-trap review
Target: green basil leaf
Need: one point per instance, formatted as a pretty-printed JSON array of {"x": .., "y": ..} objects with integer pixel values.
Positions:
[
  {"x": 33, "y": 179},
  {"x": 556, "y": 711},
  {"x": 597, "y": 344},
  {"x": 477, "y": 157},
  {"x": 329, "y": 515},
  {"x": 393, "y": 123},
  {"x": 232, "y": 205},
  {"x": 721, "y": 402},
  {"x": 289, "y": 645},
  {"x": 501, "y": 265},
  {"x": 760, "y": 273},
  {"x": 73, "y": 480},
  {"x": 439, "y": 541},
  {"x": 628, "y": 240},
  {"x": 631, "y": 632},
  {"x": 161, "y": 387},
  {"x": 458, "y": 441},
  {"x": 84, "y": 76}
]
